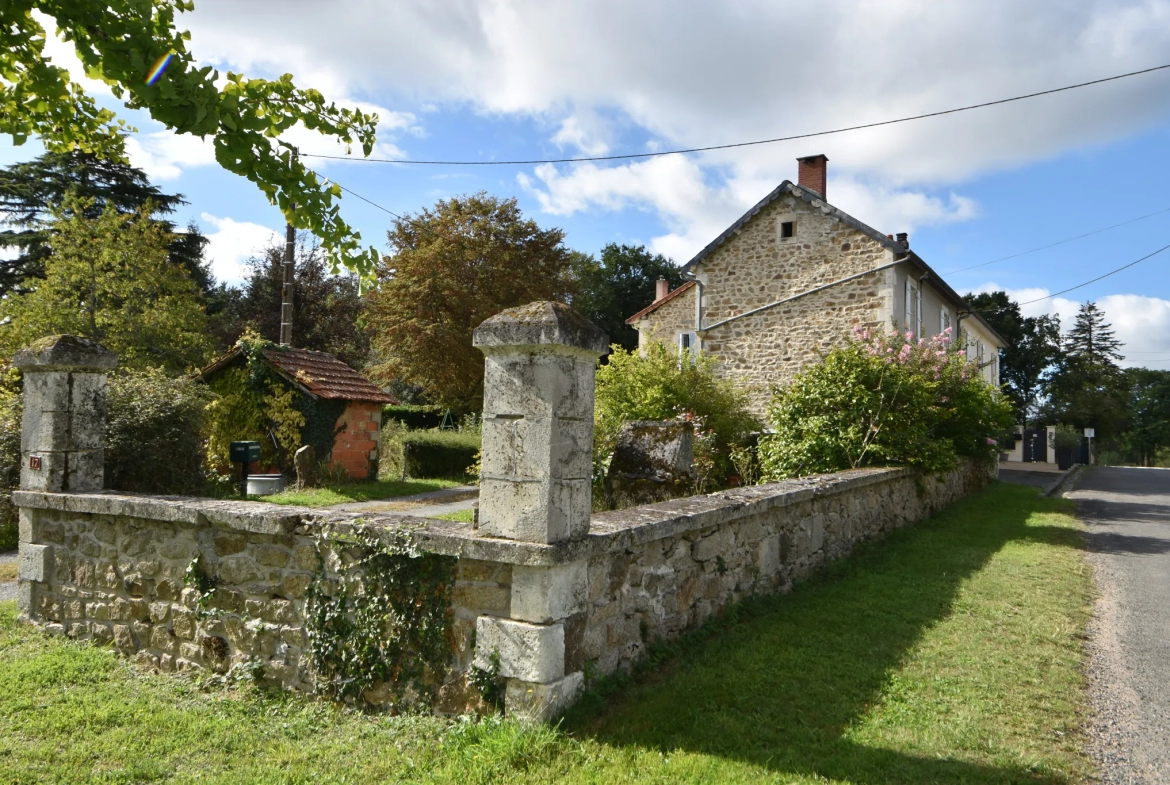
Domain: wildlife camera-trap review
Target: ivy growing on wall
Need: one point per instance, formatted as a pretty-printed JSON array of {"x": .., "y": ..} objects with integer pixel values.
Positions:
[
  {"x": 385, "y": 622},
  {"x": 256, "y": 404}
]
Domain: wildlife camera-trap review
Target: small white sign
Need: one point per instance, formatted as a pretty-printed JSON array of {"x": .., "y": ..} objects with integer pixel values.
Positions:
[{"x": 1090, "y": 432}]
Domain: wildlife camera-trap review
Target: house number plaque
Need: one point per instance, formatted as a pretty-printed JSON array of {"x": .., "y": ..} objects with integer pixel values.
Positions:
[{"x": 34, "y": 462}]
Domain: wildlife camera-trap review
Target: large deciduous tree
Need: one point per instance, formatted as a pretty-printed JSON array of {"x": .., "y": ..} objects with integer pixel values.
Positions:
[
  {"x": 1147, "y": 426},
  {"x": 32, "y": 190},
  {"x": 327, "y": 309},
  {"x": 110, "y": 278},
  {"x": 618, "y": 285},
  {"x": 136, "y": 48},
  {"x": 450, "y": 269},
  {"x": 1033, "y": 348}
]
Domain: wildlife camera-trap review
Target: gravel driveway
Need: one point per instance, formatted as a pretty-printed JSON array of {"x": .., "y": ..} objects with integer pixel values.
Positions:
[
  {"x": 1128, "y": 516},
  {"x": 7, "y": 588}
]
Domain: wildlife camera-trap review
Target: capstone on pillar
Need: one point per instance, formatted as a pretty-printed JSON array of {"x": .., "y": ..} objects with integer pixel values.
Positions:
[
  {"x": 63, "y": 432},
  {"x": 536, "y": 486},
  {"x": 539, "y": 369}
]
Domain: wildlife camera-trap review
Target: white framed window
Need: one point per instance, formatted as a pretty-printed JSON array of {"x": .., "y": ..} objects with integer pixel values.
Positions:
[
  {"x": 913, "y": 306},
  {"x": 944, "y": 319},
  {"x": 688, "y": 342}
]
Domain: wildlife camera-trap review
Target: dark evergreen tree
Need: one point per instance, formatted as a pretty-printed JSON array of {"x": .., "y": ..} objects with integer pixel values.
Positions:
[
  {"x": 618, "y": 285},
  {"x": 1088, "y": 388},
  {"x": 1032, "y": 351},
  {"x": 327, "y": 309},
  {"x": 30, "y": 191}
]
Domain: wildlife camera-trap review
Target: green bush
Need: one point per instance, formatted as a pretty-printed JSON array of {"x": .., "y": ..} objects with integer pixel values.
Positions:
[
  {"x": 656, "y": 383},
  {"x": 884, "y": 400},
  {"x": 1068, "y": 438},
  {"x": 418, "y": 418},
  {"x": 10, "y": 414},
  {"x": 156, "y": 434},
  {"x": 428, "y": 454}
]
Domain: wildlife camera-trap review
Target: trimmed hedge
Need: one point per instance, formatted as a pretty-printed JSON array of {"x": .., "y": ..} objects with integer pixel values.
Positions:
[
  {"x": 440, "y": 453},
  {"x": 415, "y": 417}
]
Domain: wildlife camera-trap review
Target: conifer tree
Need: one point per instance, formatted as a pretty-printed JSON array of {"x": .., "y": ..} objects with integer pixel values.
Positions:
[
  {"x": 32, "y": 190},
  {"x": 110, "y": 278},
  {"x": 1088, "y": 388}
]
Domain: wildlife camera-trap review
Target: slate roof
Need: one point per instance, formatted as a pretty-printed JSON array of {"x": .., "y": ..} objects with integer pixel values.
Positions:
[
  {"x": 813, "y": 198},
  {"x": 319, "y": 374}
]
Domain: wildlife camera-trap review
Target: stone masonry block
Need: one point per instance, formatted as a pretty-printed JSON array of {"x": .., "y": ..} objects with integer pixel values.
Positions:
[
  {"x": 545, "y": 594},
  {"x": 27, "y": 525},
  {"x": 35, "y": 561},
  {"x": 529, "y": 702},
  {"x": 86, "y": 470},
  {"x": 88, "y": 411},
  {"x": 528, "y": 652},
  {"x": 768, "y": 556}
]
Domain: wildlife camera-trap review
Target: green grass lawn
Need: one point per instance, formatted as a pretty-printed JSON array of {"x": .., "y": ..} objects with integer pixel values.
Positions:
[
  {"x": 356, "y": 492},
  {"x": 949, "y": 653},
  {"x": 463, "y": 516}
]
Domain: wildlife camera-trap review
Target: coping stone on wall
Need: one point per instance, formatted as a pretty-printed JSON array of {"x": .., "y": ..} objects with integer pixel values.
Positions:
[{"x": 608, "y": 532}]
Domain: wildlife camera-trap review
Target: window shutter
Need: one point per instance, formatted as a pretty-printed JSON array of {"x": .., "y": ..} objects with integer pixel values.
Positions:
[{"x": 907, "y": 322}]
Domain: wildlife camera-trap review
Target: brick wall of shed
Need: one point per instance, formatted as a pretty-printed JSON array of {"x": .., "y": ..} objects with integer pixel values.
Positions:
[{"x": 356, "y": 447}]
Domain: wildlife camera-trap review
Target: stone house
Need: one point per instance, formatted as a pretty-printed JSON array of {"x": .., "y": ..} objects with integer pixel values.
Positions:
[
  {"x": 324, "y": 378},
  {"x": 789, "y": 280}
]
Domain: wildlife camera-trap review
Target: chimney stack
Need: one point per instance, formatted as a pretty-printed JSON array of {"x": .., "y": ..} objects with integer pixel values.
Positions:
[
  {"x": 904, "y": 239},
  {"x": 663, "y": 289},
  {"x": 812, "y": 173}
]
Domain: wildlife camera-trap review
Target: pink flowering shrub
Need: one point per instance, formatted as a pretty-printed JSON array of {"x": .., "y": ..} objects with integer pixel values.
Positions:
[{"x": 885, "y": 399}]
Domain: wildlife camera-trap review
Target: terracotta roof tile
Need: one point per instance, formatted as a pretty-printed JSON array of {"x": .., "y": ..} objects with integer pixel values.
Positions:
[
  {"x": 325, "y": 376},
  {"x": 319, "y": 373},
  {"x": 654, "y": 305}
]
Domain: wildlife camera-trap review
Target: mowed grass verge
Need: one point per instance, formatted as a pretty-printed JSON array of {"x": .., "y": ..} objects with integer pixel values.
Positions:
[
  {"x": 948, "y": 653},
  {"x": 355, "y": 492}
]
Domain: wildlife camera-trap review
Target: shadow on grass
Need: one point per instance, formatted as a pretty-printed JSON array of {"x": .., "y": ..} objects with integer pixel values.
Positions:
[{"x": 780, "y": 686}]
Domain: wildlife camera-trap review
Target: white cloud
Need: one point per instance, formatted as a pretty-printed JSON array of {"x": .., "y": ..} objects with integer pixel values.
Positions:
[
  {"x": 729, "y": 72},
  {"x": 1141, "y": 323},
  {"x": 163, "y": 155},
  {"x": 725, "y": 72},
  {"x": 232, "y": 243}
]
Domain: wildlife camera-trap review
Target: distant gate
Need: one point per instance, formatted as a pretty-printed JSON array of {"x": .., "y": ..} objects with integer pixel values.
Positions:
[{"x": 1036, "y": 445}]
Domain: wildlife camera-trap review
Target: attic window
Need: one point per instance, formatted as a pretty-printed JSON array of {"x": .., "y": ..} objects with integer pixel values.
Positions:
[{"x": 787, "y": 229}]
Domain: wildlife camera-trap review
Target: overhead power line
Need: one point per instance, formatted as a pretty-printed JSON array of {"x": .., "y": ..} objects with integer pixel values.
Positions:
[
  {"x": 1074, "y": 288},
  {"x": 1058, "y": 242},
  {"x": 683, "y": 151},
  {"x": 1099, "y": 277}
]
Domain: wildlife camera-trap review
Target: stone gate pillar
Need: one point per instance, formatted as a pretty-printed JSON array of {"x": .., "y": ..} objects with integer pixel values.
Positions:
[
  {"x": 63, "y": 433},
  {"x": 536, "y": 486}
]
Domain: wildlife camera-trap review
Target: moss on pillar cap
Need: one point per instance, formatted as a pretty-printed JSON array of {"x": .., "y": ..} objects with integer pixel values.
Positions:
[
  {"x": 541, "y": 323},
  {"x": 65, "y": 353}
]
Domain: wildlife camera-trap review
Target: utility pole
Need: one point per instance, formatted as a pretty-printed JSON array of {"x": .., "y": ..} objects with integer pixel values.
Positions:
[{"x": 286, "y": 290}]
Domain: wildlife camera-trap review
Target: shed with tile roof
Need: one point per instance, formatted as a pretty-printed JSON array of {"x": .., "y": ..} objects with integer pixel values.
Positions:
[{"x": 323, "y": 377}]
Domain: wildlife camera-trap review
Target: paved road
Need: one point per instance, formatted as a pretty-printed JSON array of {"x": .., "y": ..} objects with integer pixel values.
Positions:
[{"x": 1128, "y": 516}]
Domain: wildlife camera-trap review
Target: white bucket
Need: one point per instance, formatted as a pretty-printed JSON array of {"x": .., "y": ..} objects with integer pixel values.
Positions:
[{"x": 265, "y": 484}]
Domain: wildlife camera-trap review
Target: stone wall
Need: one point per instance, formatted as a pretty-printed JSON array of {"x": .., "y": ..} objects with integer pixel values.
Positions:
[{"x": 116, "y": 569}]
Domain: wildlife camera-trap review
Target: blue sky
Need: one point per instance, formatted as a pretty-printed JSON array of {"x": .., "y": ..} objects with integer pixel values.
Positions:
[{"x": 490, "y": 79}]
